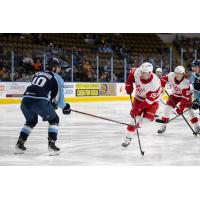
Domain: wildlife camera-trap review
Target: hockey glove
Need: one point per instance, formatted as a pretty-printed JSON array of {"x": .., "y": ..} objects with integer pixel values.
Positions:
[
  {"x": 67, "y": 109},
  {"x": 135, "y": 111},
  {"x": 55, "y": 106},
  {"x": 129, "y": 88},
  {"x": 195, "y": 105},
  {"x": 179, "y": 111}
]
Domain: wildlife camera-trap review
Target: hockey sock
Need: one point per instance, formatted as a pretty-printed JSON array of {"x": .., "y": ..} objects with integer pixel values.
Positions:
[
  {"x": 53, "y": 132},
  {"x": 25, "y": 132}
]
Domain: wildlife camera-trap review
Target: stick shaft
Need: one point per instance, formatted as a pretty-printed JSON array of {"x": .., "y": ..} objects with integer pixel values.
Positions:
[
  {"x": 181, "y": 114},
  {"x": 99, "y": 117},
  {"x": 141, "y": 151}
]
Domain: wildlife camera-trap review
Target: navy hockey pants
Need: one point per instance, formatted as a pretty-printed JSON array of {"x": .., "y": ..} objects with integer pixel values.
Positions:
[{"x": 31, "y": 108}]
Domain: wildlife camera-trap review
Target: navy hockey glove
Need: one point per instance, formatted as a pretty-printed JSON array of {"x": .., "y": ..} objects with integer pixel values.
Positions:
[
  {"x": 55, "y": 106},
  {"x": 195, "y": 105},
  {"x": 67, "y": 109}
]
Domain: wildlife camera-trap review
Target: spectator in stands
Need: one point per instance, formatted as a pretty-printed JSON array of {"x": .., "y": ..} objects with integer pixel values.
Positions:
[
  {"x": 28, "y": 60},
  {"x": 28, "y": 63},
  {"x": 87, "y": 71},
  {"x": 4, "y": 74},
  {"x": 37, "y": 66},
  {"x": 89, "y": 39},
  {"x": 1, "y": 63},
  {"x": 166, "y": 69},
  {"x": 53, "y": 50},
  {"x": 26, "y": 77},
  {"x": 107, "y": 67},
  {"x": 115, "y": 77},
  {"x": 104, "y": 77}
]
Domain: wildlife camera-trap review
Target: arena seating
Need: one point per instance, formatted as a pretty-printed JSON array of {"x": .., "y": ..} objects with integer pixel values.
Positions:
[{"x": 136, "y": 47}]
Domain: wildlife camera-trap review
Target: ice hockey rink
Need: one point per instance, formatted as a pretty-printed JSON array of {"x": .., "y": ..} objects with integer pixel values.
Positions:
[{"x": 85, "y": 140}]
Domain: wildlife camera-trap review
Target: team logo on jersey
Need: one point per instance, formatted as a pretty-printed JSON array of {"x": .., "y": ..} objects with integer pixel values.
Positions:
[
  {"x": 177, "y": 89},
  {"x": 139, "y": 90},
  {"x": 154, "y": 95}
]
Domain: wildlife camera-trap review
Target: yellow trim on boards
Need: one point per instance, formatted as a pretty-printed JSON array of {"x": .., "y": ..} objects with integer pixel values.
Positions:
[
  {"x": 77, "y": 99},
  {"x": 10, "y": 101},
  {"x": 93, "y": 99}
]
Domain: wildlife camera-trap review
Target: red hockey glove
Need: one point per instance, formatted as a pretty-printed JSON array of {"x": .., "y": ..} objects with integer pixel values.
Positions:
[
  {"x": 183, "y": 104},
  {"x": 129, "y": 88},
  {"x": 180, "y": 110},
  {"x": 135, "y": 111}
]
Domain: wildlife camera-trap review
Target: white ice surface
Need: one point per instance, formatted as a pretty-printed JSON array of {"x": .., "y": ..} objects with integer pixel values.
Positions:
[{"x": 87, "y": 141}]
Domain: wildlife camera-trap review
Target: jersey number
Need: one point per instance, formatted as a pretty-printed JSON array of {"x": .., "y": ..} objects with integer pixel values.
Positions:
[{"x": 39, "y": 81}]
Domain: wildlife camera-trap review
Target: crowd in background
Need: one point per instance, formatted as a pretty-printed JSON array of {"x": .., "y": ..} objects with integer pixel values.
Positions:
[{"x": 85, "y": 63}]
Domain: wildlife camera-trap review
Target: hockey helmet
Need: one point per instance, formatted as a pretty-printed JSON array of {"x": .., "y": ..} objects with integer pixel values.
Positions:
[
  {"x": 146, "y": 67},
  {"x": 159, "y": 70},
  {"x": 195, "y": 63},
  {"x": 179, "y": 69}
]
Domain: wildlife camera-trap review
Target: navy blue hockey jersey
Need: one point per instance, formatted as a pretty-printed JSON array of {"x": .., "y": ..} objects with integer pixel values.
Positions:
[
  {"x": 195, "y": 81},
  {"x": 47, "y": 85}
]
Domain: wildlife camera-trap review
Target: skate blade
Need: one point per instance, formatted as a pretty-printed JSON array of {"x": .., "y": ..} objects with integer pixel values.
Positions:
[
  {"x": 124, "y": 148},
  {"x": 52, "y": 153},
  {"x": 160, "y": 134},
  {"x": 18, "y": 152}
]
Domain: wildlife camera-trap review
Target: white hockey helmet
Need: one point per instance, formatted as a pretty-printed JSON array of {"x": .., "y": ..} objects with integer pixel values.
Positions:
[
  {"x": 180, "y": 69},
  {"x": 159, "y": 70},
  {"x": 146, "y": 67}
]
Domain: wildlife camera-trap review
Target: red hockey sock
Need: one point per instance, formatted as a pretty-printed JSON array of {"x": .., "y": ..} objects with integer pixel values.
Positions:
[{"x": 165, "y": 119}]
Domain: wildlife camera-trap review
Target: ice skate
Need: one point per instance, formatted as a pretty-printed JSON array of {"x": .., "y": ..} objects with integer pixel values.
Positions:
[
  {"x": 162, "y": 129},
  {"x": 53, "y": 149},
  {"x": 126, "y": 142},
  {"x": 196, "y": 130},
  {"x": 20, "y": 148}
]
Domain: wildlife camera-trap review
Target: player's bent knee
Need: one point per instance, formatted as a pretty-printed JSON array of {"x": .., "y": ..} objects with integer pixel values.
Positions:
[
  {"x": 32, "y": 124},
  {"x": 149, "y": 115},
  {"x": 54, "y": 121}
]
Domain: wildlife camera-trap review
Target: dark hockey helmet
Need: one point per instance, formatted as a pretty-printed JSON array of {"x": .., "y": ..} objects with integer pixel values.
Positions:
[
  {"x": 52, "y": 62},
  {"x": 196, "y": 63}
]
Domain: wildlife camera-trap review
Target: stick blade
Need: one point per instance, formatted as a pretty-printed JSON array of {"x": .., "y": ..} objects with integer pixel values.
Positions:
[{"x": 159, "y": 121}]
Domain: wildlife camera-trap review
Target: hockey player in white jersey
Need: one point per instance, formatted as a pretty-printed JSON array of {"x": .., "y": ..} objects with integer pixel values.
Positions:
[
  {"x": 180, "y": 98},
  {"x": 145, "y": 104},
  {"x": 159, "y": 72}
]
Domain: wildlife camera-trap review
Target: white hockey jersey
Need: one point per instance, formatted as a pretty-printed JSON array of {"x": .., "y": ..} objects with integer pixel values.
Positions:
[
  {"x": 149, "y": 90},
  {"x": 178, "y": 88}
]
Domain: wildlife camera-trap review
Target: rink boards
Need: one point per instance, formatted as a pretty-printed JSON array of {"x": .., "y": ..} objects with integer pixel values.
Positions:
[{"x": 11, "y": 92}]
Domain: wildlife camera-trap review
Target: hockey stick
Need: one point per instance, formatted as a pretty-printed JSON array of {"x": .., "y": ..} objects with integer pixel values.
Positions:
[
  {"x": 182, "y": 116},
  {"x": 165, "y": 104},
  {"x": 161, "y": 121},
  {"x": 104, "y": 118},
  {"x": 141, "y": 151}
]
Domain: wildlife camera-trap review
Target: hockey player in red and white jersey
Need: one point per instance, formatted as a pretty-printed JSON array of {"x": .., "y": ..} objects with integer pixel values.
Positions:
[
  {"x": 180, "y": 98},
  {"x": 145, "y": 104}
]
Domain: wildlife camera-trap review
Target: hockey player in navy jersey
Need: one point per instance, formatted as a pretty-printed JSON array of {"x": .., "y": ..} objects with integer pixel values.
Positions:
[
  {"x": 195, "y": 81},
  {"x": 40, "y": 99}
]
